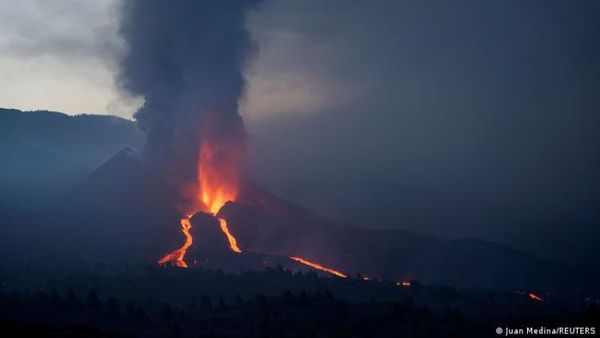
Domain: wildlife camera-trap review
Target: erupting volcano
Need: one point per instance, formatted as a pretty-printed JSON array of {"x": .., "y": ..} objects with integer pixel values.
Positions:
[
  {"x": 192, "y": 81},
  {"x": 217, "y": 183}
]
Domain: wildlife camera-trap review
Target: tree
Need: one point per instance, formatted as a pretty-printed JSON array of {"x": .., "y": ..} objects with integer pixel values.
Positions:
[
  {"x": 93, "y": 302},
  {"x": 206, "y": 302},
  {"x": 222, "y": 304},
  {"x": 131, "y": 309},
  {"x": 166, "y": 312},
  {"x": 55, "y": 300},
  {"x": 238, "y": 299},
  {"x": 114, "y": 308},
  {"x": 288, "y": 298},
  {"x": 73, "y": 302}
]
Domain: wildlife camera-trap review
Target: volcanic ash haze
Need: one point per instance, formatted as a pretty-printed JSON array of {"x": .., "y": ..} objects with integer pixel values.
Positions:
[{"x": 186, "y": 59}]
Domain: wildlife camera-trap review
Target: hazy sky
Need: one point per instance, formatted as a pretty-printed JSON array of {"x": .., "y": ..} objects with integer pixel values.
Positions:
[
  {"x": 469, "y": 118},
  {"x": 59, "y": 55},
  {"x": 63, "y": 56}
]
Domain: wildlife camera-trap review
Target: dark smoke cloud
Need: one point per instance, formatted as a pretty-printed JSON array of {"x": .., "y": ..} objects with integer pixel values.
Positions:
[{"x": 186, "y": 59}]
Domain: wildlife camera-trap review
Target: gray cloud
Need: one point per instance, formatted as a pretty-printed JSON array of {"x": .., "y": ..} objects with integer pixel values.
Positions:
[
  {"x": 61, "y": 56},
  {"x": 68, "y": 29}
]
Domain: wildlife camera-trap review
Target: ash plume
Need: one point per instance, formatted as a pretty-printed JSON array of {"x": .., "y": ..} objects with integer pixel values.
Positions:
[{"x": 186, "y": 59}]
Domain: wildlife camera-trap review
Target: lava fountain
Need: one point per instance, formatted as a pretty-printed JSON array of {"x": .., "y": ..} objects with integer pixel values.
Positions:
[{"x": 219, "y": 182}]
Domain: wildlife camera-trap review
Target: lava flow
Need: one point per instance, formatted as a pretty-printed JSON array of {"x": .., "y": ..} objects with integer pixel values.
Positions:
[
  {"x": 216, "y": 184},
  {"x": 232, "y": 241},
  {"x": 176, "y": 257},
  {"x": 532, "y": 295},
  {"x": 535, "y": 297},
  {"x": 318, "y": 267}
]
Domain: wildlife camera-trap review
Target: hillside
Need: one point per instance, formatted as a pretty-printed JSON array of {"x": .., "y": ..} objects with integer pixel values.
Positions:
[{"x": 44, "y": 153}]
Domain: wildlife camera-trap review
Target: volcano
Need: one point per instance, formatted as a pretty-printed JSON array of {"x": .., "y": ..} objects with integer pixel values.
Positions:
[{"x": 269, "y": 231}]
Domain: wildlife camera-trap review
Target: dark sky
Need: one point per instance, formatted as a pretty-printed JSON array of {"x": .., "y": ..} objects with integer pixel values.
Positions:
[{"x": 469, "y": 118}]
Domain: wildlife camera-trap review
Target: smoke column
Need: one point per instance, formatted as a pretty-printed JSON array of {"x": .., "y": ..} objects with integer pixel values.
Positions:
[{"x": 186, "y": 59}]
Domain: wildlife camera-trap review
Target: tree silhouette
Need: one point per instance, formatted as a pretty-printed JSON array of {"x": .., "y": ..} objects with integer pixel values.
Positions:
[
  {"x": 113, "y": 306},
  {"x": 93, "y": 302}
]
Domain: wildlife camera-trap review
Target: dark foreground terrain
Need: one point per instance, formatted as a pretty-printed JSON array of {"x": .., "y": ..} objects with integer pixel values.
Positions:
[
  {"x": 75, "y": 191},
  {"x": 98, "y": 301}
]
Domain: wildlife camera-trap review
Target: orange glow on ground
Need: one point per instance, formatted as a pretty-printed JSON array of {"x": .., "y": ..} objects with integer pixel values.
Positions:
[{"x": 319, "y": 267}]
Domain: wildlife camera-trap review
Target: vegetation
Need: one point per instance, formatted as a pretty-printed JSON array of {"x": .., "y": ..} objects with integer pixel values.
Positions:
[{"x": 269, "y": 303}]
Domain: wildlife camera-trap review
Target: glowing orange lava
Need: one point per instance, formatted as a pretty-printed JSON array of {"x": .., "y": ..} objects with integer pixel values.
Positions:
[
  {"x": 218, "y": 180},
  {"x": 217, "y": 176},
  {"x": 176, "y": 257},
  {"x": 318, "y": 267},
  {"x": 232, "y": 241},
  {"x": 532, "y": 295},
  {"x": 535, "y": 297}
]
